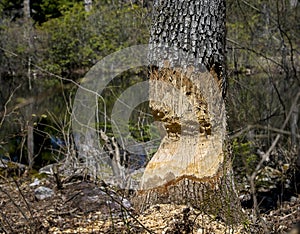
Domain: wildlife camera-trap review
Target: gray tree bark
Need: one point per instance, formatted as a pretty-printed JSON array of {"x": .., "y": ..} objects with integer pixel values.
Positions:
[
  {"x": 88, "y": 5},
  {"x": 26, "y": 9},
  {"x": 190, "y": 166},
  {"x": 294, "y": 125},
  {"x": 195, "y": 27},
  {"x": 30, "y": 144}
]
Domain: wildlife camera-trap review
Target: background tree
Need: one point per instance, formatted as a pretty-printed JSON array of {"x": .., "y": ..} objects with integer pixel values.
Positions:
[{"x": 263, "y": 51}]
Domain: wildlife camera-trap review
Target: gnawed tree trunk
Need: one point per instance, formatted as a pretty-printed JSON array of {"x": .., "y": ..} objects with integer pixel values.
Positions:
[{"x": 190, "y": 166}]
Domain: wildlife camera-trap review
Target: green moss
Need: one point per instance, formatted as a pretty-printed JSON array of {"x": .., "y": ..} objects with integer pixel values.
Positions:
[{"x": 35, "y": 174}]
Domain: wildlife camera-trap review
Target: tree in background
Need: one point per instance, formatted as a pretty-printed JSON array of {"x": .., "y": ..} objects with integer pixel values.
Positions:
[{"x": 263, "y": 62}]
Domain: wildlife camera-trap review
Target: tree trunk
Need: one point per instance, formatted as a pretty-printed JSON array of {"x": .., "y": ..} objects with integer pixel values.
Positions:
[
  {"x": 30, "y": 144},
  {"x": 190, "y": 165},
  {"x": 293, "y": 3},
  {"x": 88, "y": 4},
  {"x": 294, "y": 126},
  {"x": 30, "y": 138},
  {"x": 28, "y": 36},
  {"x": 26, "y": 5}
]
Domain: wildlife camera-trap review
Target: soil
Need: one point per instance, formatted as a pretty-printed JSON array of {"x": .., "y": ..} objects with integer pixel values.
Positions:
[{"x": 83, "y": 206}]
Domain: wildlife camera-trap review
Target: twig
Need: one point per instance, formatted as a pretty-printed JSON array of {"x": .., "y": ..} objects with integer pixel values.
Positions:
[
  {"x": 266, "y": 156},
  {"x": 24, "y": 199},
  {"x": 6, "y": 221},
  {"x": 121, "y": 204},
  {"x": 67, "y": 212},
  {"x": 72, "y": 197},
  {"x": 35, "y": 99},
  {"x": 6, "y": 103},
  {"x": 255, "y": 52},
  {"x": 257, "y": 126},
  {"x": 17, "y": 206},
  {"x": 288, "y": 215}
]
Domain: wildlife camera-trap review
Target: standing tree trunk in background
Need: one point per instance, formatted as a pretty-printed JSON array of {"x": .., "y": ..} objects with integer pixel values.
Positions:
[
  {"x": 30, "y": 144},
  {"x": 294, "y": 126},
  {"x": 26, "y": 5},
  {"x": 29, "y": 125},
  {"x": 88, "y": 4},
  {"x": 26, "y": 10},
  {"x": 190, "y": 166},
  {"x": 293, "y": 3}
]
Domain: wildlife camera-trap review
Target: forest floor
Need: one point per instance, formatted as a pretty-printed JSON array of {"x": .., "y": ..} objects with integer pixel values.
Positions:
[{"x": 82, "y": 206}]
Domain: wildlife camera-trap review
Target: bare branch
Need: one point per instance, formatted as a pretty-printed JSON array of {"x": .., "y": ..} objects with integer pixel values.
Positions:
[
  {"x": 257, "y": 126},
  {"x": 4, "y": 113}
]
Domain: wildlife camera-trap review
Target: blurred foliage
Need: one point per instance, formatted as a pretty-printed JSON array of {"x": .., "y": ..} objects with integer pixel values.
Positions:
[
  {"x": 67, "y": 42},
  {"x": 11, "y": 9},
  {"x": 44, "y": 10},
  {"x": 40, "y": 10},
  {"x": 79, "y": 39}
]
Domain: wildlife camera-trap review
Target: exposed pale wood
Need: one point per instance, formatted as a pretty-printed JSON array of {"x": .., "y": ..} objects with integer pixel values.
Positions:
[{"x": 193, "y": 146}]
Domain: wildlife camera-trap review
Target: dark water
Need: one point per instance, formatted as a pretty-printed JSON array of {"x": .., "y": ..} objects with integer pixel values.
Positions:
[{"x": 43, "y": 107}]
